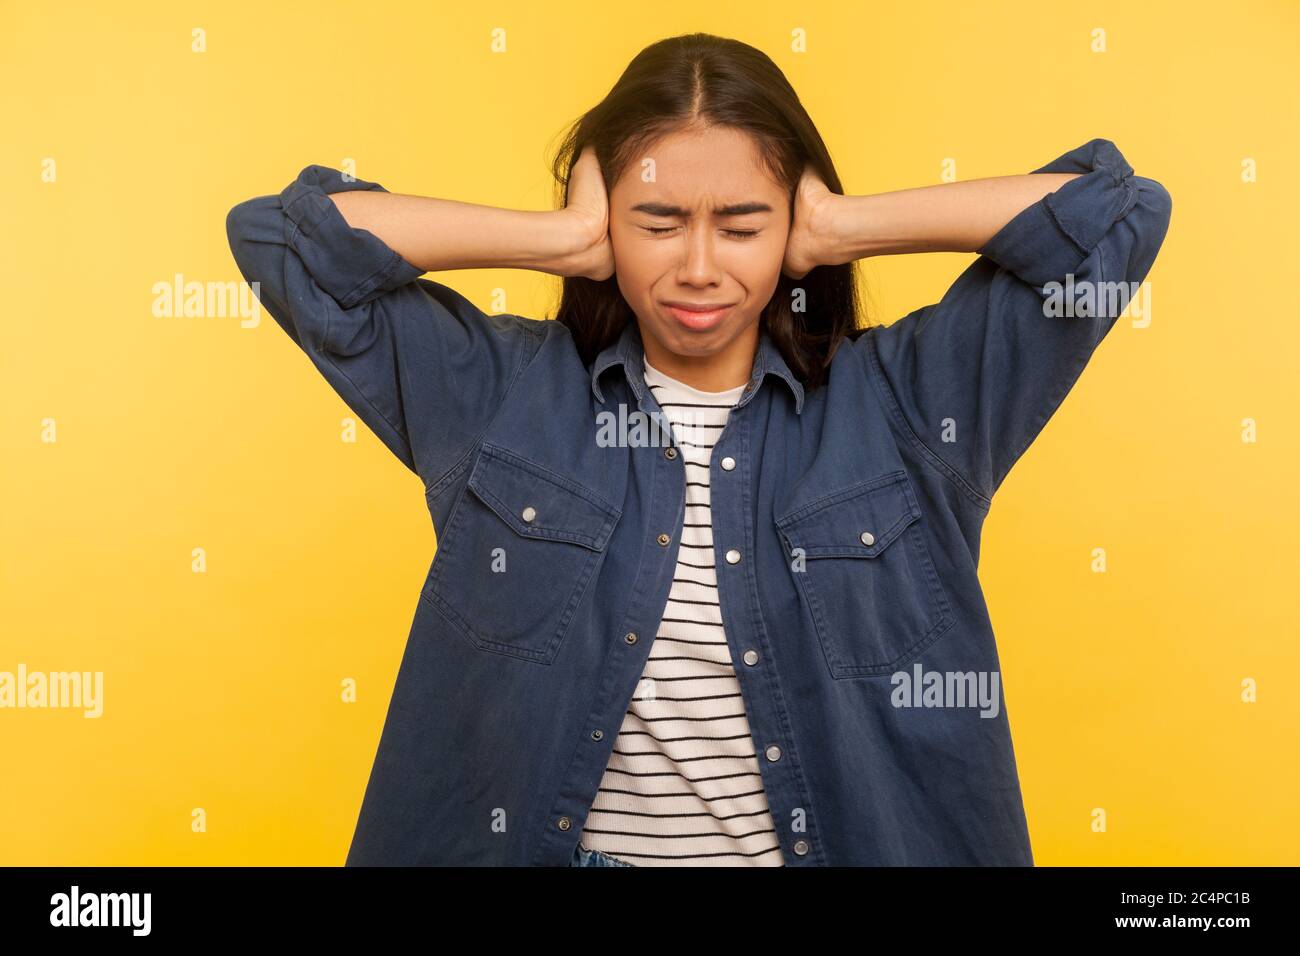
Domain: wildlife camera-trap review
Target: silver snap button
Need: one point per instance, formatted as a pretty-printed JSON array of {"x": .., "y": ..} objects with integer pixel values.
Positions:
[
  {"x": 597, "y": 734},
  {"x": 664, "y": 539},
  {"x": 629, "y": 638},
  {"x": 751, "y": 657},
  {"x": 670, "y": 453},
  {"x": 868, "y": 538},
  {"x": 728, "y": 463},
  {"x": 773, "y": 753},
  {"x": 529, "y": 513},
  {"x": 801, "y": 847},
  {"x": 564, "y": 823},
  {"x": 733, "y": 556}
]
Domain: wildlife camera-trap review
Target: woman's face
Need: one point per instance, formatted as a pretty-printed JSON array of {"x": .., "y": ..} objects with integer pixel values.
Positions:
[{"x": 698, "y": 222}]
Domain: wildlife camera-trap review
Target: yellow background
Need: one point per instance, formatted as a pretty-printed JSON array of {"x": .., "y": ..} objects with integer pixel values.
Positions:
[{"x": 222, "y": 689}]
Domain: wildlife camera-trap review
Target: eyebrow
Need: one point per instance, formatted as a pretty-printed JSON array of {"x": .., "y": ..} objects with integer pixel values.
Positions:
[{"x": 735, "y": 209}]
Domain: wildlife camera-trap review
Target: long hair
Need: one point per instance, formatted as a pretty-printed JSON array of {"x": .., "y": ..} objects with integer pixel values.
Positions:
[{"x": 699, "y": 80}]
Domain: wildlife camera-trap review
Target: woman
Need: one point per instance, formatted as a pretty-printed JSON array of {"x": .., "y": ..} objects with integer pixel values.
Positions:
[{"x": 712, "y": 643}]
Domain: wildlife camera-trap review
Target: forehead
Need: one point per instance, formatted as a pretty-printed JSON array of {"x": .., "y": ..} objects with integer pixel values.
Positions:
[{"x": 717, "y": 164}]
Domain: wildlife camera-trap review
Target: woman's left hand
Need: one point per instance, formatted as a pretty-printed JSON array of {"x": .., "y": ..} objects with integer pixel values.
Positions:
[{"x": 806, "y": 246}]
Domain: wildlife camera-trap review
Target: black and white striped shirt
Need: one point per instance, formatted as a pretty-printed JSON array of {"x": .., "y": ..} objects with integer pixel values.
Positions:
[{"x": 683, "y": 787}]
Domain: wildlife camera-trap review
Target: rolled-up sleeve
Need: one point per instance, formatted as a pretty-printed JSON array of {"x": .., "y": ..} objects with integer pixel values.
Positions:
[
  {"x": 975, "y": 377},
  {"x": 352, "y": 265},
  {"x": 415, "y": 360}
]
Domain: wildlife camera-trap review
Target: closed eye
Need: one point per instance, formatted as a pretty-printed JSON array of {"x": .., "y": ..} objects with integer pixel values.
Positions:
[{"x": 735, "y": 233}]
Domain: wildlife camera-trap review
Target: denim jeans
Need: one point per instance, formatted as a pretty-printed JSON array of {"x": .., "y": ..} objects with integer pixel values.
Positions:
[{"x": 584, "y": 857}]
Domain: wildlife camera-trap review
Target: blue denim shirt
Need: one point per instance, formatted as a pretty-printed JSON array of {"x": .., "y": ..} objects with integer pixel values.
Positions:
[{"x": 846, "y": 522}]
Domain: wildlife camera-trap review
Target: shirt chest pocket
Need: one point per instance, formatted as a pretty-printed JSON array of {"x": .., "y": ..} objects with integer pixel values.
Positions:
[
  {"x": 863, "y": 568},
  {"x": 517, "y": 555}
]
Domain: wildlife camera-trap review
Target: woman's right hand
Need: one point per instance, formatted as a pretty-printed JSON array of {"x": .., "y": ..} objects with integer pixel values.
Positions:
[{"x": 588, "y": 213}]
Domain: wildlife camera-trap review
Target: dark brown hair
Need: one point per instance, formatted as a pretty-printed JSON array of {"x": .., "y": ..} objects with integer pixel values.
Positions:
[{"x": 703, "y": 80}]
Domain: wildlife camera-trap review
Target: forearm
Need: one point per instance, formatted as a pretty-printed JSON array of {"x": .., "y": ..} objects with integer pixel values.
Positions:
[
  {"x": 442, "y": 234},
  {"x": 948, "y": 217}
]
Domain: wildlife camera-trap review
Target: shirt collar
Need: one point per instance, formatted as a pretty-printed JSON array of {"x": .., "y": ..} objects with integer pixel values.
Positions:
[{"x": 628, "y": 350}]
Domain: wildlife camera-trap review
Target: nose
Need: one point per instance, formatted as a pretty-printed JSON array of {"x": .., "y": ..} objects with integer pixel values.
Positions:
[{"x": 699, "y": 264}]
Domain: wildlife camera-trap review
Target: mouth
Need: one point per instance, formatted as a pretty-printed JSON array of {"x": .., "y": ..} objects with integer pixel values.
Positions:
[{"x": 698, "y": 317}]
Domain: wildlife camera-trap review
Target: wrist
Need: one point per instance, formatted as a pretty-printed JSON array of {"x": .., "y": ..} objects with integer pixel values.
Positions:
[
  {"x": 850, "y": 228},
  {"x": 576, "y": 241}
]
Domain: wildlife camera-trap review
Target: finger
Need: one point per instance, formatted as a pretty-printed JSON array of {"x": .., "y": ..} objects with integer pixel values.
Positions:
[{"x": 587, "y": 184}]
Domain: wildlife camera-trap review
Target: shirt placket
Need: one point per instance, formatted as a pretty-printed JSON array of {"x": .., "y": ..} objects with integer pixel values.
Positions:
[
  {"x": 626, "y": 662},
  {"x": 747, "y": 639},
  {"x": 731, "y": 486}
]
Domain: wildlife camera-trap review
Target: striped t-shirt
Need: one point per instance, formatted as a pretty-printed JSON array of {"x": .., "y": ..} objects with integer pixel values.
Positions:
[{"x": 682, "y": 787}]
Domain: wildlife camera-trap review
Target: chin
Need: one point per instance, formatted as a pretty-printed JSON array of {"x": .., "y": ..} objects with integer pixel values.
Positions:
[
  {"x": 701, "y": 343},
  {"x": 698, "y": 346}
]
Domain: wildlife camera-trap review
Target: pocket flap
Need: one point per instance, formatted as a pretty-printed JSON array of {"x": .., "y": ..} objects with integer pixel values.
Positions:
[
  {"x": 841, "y": 524},
  {"x": 537, "y": 503}
]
